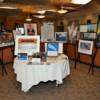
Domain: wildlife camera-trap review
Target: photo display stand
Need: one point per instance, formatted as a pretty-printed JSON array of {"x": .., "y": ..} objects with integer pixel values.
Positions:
[{"x": 85, "y": 47}]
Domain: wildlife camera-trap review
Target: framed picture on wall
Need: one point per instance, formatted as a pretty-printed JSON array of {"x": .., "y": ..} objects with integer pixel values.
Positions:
[
  {"x": 27, "y": 44},
  {"x": 85, "y": 47},
  {"x": 30, "y": 28},
  {"x": 61, "y": 36}
]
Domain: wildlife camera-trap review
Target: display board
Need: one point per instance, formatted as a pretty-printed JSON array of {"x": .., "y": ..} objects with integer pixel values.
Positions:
[
  {"x": 27, "y": 44},
  {"x": 47, "y": 32}
]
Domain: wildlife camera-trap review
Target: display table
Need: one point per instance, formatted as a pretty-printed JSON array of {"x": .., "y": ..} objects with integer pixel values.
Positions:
[
  {"x": 2, "y": 47},
  {"x": 56, "y": 68}
]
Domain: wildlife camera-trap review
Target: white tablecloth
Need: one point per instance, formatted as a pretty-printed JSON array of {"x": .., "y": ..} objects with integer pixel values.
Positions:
[{"x": 56, "y": 68}]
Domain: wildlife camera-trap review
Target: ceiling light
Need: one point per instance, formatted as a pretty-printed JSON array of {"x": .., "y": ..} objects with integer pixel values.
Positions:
[
  {"x": 81, "y": 1},
  {"x": 39, "y": 16},
  {"x": 41, "y": 12},
  {"x": 7, "y": 7},
  {"x": 62, "y": 11},
  {"x": 28, "y": 19}
]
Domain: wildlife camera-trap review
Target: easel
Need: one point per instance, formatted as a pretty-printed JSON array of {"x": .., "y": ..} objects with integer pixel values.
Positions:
[{"x": 77, "y": 58}]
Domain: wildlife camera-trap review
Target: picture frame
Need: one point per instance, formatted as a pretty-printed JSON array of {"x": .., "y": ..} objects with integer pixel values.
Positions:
[
  {"x": 85, "y": 47},
  {"x": 22, "y": 56},
  {"x": 27, "y": 44},
  {"x": 89, "y": 36},
  {"x": 60, "y": 47},
  {"x": 61, "y": 37},
  {"x": 52, "y": 49},
  {"x": 30, "y": 28}
]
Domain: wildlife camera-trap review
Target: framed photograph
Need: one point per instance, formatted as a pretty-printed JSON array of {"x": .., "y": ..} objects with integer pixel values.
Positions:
[
  {"x": 27, "y": 44},
  {"x": 22, "y": 56},
  {"x": 52, "y": 49},
  {"x": 60, "y": 47},
  {"x": 91, "y": 36},
  {"x": 85, "y": 47},
  {"x": 61, "y": 36},
  {"x": 30, "y": 28}
]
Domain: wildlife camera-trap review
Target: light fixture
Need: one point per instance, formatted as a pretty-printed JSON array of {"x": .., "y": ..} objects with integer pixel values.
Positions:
[
  {"x": 28, "y": 18},
  {"x": 62, "y": 11},
  {"x": 39, "y": 16},
  {"x": 80, "y": 1},
  {"x": 7, "y": 7},
  {"x": 41, "y": 11}
]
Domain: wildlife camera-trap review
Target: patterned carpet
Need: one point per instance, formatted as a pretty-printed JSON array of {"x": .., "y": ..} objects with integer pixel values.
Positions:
[{"x": 78, "y": 86}]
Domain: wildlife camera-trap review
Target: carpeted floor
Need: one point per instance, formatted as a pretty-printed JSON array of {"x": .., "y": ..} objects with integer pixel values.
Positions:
[{"x": 78, "y": 86}]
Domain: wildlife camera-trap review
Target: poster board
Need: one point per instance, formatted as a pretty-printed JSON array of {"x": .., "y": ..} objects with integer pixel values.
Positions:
[
  {"x": 47, "y": 32},
  {"x": 27, "y": 44}
]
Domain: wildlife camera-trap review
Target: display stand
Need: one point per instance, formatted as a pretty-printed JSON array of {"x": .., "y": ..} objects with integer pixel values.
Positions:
[
  {"x": 91, "y": 68},
  {"x": 77, "y": 58},
  {"x": 93, "y": 58}
]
